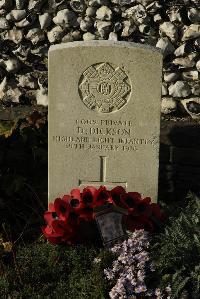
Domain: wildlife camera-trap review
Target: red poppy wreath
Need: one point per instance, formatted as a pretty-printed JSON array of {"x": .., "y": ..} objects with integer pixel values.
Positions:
[{"x": 69, "y": 216}]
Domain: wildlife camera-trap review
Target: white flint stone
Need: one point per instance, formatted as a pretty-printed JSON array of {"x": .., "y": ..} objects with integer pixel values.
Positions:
[
  {"x": 113, "y": 36},
  {"x": 175, "y": 14},
  {"x": 22, "y": 51},
  {"x": 55, "y": 34},
  {"x": 180, "y": 51},
  {"x": 103, "y": 27},
  {"x": 67, "y": 38},
  {"x": 35, "y": 4},
  {"x": 12, "y": 65},
  {"x": 197, "y": 43},
  {"x": 14, "y": 94},
  {"x": 15, "y": 35},
  {"x": 86, "y": 24},
  {"x": 16, "y": 15},
  {"x": 184, "y": 62},
  {"x": 166, "y": 46},
  {"x": 179, "y": 89},
  {"x": 35, "y": 35},
  {"x": 128, "y": 28},
  {"x": 153, "y": 7},
  {"x": 90, "y": 11},
  {"x": 192, "y": 106},
  {"x": 25, "y": 22},
  {"x": 198, "y": 65},
  {"x": 42, "y": 96},
  {"x": 170, "y": 30},
  {"x": 194, "y": 14},
  {"x": 3, "y": 88},
  {"x": 196, "y": 89},
  {"x": 192, "y": 31},
  {"x": 5, "y": 3},
  {"x": 157, "y": 18},
  {"x": 104, "y": 13},
  {"x": 66, "y": 17},
  {"x": 45, "y": 20},
  {"x": 137, "y": 13},
  {"x": 145, "y": 2},
  {"x": 3, "y": 12},
  {"x": 76, "y": 35},
  {"x": 88, "y": 36},
  {"x": 4, "y": 24},
  {"x": 20, "y": 4},
  {"x": 78, "y": 5},
  {"x": 123, "y": 2},
  {"x": 168, "y": 105},
  {"x": 170, "y": 77},
  {"x": 190, "y": 75},
  {"x": 164, "y": 89},
  {"x": 27, "y": 81}
]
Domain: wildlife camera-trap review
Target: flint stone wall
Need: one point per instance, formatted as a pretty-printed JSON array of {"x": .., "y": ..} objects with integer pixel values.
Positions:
[{"x": 29, "y": 27}]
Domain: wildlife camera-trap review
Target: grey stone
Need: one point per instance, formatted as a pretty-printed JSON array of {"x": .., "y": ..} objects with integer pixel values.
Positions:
[
  {"x": 168, "y": 105},
  {"x": 179, "y": 89},
  {"x": 104, "y": 132}
]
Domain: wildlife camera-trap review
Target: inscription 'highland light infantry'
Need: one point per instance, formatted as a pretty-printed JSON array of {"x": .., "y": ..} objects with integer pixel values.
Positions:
[{"x": 104, "y": 88}]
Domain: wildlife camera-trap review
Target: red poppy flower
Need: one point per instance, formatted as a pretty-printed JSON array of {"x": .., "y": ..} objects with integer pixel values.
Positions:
[
  {"x": 101, "y": 197},
  {"x": 71, "y": 214}
]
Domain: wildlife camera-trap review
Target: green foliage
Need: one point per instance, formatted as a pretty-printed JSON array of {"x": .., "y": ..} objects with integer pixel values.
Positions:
[
  {"x": 177, "y": 251},
  {"x": 42, "y": 270}
]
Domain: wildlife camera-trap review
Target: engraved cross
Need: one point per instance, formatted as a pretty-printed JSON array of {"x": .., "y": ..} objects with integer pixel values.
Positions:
[{"x": 102, "y": 181}]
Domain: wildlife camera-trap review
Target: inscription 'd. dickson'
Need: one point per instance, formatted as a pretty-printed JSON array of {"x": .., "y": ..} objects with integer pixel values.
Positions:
[{"x": 104, "y": 88}]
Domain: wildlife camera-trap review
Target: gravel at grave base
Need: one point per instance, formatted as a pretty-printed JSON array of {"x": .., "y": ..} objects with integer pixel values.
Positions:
[{"x": 29, "y": 28}]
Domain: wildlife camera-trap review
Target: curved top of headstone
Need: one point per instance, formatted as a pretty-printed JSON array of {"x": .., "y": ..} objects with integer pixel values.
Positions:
[{"x": 104, "y": 43}]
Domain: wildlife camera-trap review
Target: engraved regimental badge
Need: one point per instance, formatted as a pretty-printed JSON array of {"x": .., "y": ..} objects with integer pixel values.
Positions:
[{"x": 104, "y": 88}]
